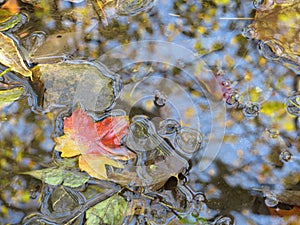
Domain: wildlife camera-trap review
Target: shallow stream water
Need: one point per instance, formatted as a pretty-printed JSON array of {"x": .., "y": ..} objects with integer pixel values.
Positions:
[{"x": 188, "y": 61}]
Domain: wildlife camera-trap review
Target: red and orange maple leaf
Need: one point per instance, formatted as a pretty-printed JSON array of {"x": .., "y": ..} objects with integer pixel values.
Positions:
[{"x": 97, "y": 144}]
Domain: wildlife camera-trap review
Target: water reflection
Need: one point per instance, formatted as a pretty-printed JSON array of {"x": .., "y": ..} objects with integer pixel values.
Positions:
[{"x": 249, "y": 158}]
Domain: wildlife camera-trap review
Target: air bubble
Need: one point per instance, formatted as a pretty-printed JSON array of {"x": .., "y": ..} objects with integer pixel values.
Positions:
[
  {"x": 273, "y": 133},
  {"x": 233, "y": 99},
  {"x": 168, "y": 126},
  {"x": 188, "y": 140},
  {"x": 271, "y": 200},
  {"x": 223, "y": 220},
  {"x": 263, "y": 4},
  {"x": 270, "y": 50},
  {"x": 180, "y": 64},
  {"x": 251, "y": 110},
  {"x": 160, "y": 98},
  {"x": 249, "y": 32},
  {"x": 285, "y": 156},
  {"x": 293, "y": 104}
]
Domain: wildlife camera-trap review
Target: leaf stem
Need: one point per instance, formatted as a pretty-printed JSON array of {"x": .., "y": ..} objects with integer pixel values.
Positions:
[{"x": 5, "y": 72}]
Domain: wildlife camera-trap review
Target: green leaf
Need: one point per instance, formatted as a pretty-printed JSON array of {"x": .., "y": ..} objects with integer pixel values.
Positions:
[
  {"x": 11, "y": 22},
  {"x": 110, "y": 212},
  {"x": 190, "y": 219},
  {"x": 9, "y": 96},
  {"x": 56, "y": 176}
]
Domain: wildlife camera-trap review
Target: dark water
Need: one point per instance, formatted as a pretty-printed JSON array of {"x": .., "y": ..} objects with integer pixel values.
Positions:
[{"x": 177, "y": 48}]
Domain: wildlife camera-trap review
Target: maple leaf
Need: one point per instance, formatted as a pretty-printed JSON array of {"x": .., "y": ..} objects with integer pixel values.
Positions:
[{"x": 97, "y": 144}]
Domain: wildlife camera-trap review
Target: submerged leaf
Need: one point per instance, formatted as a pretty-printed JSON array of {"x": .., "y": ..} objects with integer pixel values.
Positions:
[
  {"x": 56, "y": 176},
  {"x": 77, "y": 82},
  {"x": 9, "y": 96},
  {"x": 11, "y": 57},
  {"x": 109, "y": 212},
  {"x": 276, "y": 27},
  {"x": 10, "y": 22},
  {"x": 5, "y": 15}
]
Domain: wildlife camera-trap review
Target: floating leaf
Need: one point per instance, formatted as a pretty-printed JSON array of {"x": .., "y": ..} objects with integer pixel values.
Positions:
[
  {"x": 11, "y": 57},
  {"x": 9, "y": 96},
  {"x": 109, "y": 212},
  {"x": 56, "y": 176},
  {"x": 94, "y": 165},
  {"x": 98, "y": 144}
]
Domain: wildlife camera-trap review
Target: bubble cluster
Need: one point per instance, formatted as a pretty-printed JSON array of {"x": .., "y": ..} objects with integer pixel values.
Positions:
[{"x": 251, "y": 110}]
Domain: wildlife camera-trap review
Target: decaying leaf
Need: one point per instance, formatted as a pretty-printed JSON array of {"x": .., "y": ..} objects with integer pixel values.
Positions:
[
  {"x": 97, "y": 144},
  {"x": 56, "y": 176},
  {"x": 110, "y": 212},
  {"x": 277, "y": 28},
  {"x": 289, "y": 197},
  {"x": 9, "y": 96},
  {"x": 11, "y": 57},
  {"x": 10, "y": 22},
  {"x": 74, "y": 82},
  {"x": 293, "y": 214}
]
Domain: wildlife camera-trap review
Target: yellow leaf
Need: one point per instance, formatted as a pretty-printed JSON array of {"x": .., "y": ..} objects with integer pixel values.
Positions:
[
  {"x": 94, "y": 165},
  {"x": 11, "y": 57},
  {"x": 67, "y": 146}
]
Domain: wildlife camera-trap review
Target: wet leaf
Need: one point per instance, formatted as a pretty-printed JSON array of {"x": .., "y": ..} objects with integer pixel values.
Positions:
[
  {"x": 110, "y": 212},
  {"x": 12, "y": 6},
  {"x": 289, "y": 197},
  {"x": 95, "y": 165},
  {"x": 11, "y": 57},
  {"x": 276, "y": 26},
  {"x": 4, "y": 15},
  {"x": 56, "y": 176},
  {"x": 191, "y": 219},
  {"x": 294, "y": 213},
  {"x": 98, "y": 144},
  {"x": 133, "y": 7},
  {"x": 10, "y": 23},
  {"x": 9, "y": 96},
  {"x": 70, "y": 83}
]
